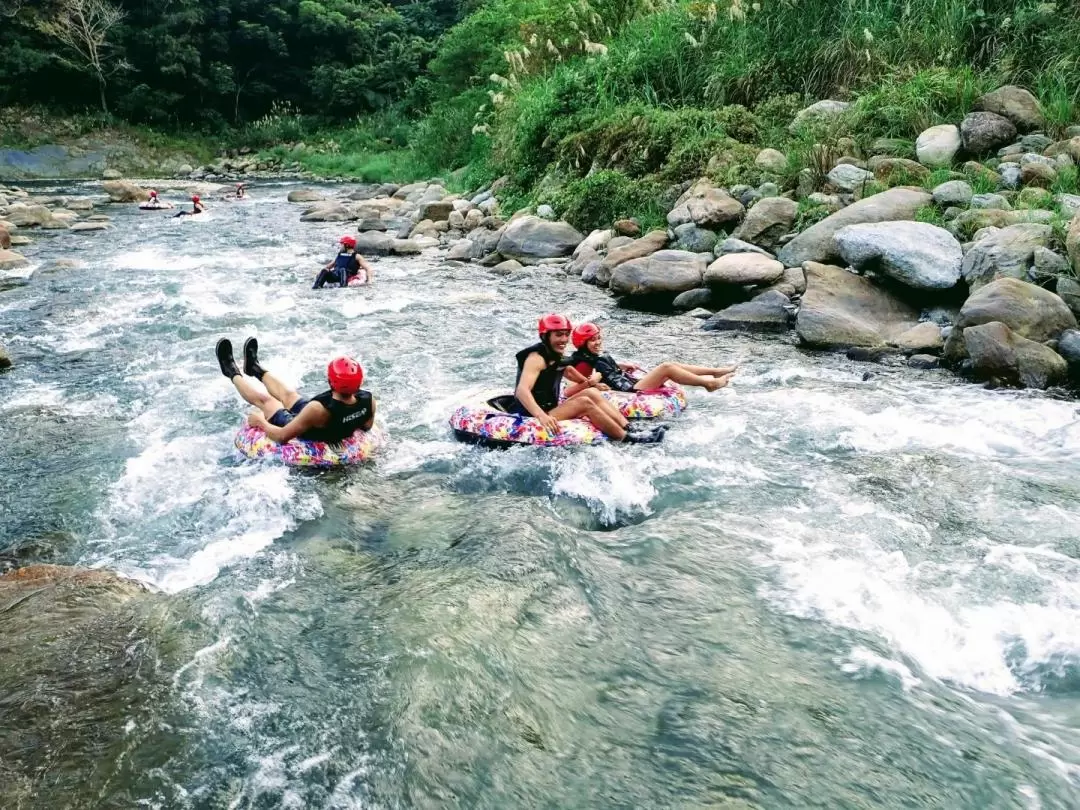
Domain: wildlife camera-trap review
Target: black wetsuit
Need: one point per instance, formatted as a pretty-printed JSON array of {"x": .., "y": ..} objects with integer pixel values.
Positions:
[
  {"x": 546, "y": 388},
  {"x": 345, "y": 419},
  {"x": 610, "y": 374}
]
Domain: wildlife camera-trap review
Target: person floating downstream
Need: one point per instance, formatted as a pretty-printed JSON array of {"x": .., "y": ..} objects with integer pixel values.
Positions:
[
  {"x": 539, "y": 377},
  {"x": 348, "y": 267},
  {"x": 240, "y": 191},
  {"x": 284, "y": 414},
  {"x": 155, "y": 203},
  {"x": 196, "y": 207},
  {"x": 589, "y": 358}
]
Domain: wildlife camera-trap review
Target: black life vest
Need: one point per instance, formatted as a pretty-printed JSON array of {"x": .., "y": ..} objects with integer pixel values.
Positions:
[
  {"x": 610, "y": 373},
  {"x": 345, "y": 419},
  {"x": 546, "y": 388}
]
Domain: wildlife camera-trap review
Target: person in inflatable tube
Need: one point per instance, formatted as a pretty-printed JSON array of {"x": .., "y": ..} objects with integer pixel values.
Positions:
[
  {"x": 589, "y": 359},
  {"x": 283, "y": 414},
  {"x": 346, "y": 266},
  {"x": 196, "y": 207},
  {"x": 539, "y": 376},
  {"x": 155, "y": 203}
]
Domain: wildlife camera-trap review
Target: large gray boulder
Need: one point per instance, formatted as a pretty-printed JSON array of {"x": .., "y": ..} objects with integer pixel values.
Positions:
[
  {"x": 847, "y": 178},
  {"x": 767, "y": 221},
  {"x": 377, "y": 243},
  {"x": 328, "y": 211},
  {"x": 124, "y": 191},
  {"x": 634, "y": 249},
  {"x": 743, "y": 269},
  {"x": 999, "y": 353},
  {"x": 1028, "y": 310},
  {"x": 953, "y": 192},
  {"x": 530, "y": 238},
  {"x": 707, "y": 207},
  {"x": 818, "y": 112},
  {"x": 816, "y": 243},
  {"x": 31, "y": 216},
  {"x": 1005, "y": 253},
  {"x": 1016, "y": 104},
  {"x": 768, "y": 312},
  {"x": 1068, "y": 289},
  {"x": 689, "y": 236},
  {"x": 840, "y": 310},
  {"x": 305, "y": 195},
  {"x": 9, "y": 259},
  {"x": 983, "y": 132},
  {"x": 1069, "y": 348},
  {"x": 666, "y": 273},
  {"x": 917, "y": 254},
  {"x": 937, "y": 146}
]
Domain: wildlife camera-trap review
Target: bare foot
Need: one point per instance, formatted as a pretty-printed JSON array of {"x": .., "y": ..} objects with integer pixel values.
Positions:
[
  {"x": 723, "y": 372},
  {"x": 719, "y": 382}
]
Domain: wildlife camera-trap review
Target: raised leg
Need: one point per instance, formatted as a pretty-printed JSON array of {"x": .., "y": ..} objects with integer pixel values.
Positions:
[
  {"x": 674, "y": 371},
  {"x": 279, "y": 390},
  {"x": 581, "y": 407},
  {"x": 253, "y": 396}
]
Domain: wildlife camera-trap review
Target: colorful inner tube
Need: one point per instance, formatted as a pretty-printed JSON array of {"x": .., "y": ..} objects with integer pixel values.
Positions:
[
  {"x": 358, "y": 448},
  {"x": 667, "y": 401},
  {"x": 655, "y": 403},
  {"x": 486, "y": 422}
]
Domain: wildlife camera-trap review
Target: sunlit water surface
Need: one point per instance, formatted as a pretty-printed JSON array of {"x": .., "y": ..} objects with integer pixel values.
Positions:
[{"x": 820, "y": 591}]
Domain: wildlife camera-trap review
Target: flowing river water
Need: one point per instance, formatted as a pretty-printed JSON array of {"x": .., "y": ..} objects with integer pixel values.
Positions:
[{"x": 821, "y": 591}]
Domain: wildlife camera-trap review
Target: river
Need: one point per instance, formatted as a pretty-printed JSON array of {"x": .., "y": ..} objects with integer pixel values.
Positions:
[{"x": 834, "y": 585}]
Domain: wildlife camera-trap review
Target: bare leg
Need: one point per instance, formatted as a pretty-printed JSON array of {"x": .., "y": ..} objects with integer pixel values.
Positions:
[
  {"x": 586, "y": 408},
  {"x": 598, "y": 400},
  {"x": 708, "y": 371},
  {"x": 253, "y": 396},
  {"x": 674, "y": 371},
  {"x": 279, "y": 390}
]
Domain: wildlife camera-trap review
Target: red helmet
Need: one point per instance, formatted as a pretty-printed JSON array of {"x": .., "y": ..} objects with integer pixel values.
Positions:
[
  {"x": 153, "y": 193},
  {"x": 348, "y": 241},
  {"x": 194, "y": 197},
  {"x": 345, "y": 375},
  {"x": 583, "y": 333},
  {"x": 554, "y": 323}
]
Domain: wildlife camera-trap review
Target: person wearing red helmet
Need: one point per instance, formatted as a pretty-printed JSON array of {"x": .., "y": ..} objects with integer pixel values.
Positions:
[
  {"x": 196, "y": 207},
  {"x": 284, "y": 414},
  {"x": 539, "y": 377},
  {"x": 589, "y": 359},
  {"x": 345, "y": 266}
]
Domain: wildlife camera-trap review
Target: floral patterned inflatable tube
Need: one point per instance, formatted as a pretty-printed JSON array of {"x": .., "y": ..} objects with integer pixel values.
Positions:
[{"x": 358, "y": 448}]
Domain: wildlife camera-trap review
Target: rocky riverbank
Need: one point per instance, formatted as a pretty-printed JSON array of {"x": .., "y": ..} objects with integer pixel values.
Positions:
[{"x": 977, "y": 272}]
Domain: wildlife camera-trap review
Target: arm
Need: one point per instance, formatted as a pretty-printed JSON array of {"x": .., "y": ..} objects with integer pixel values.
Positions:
[
  {"x": 314, "y": 415},
  {"x": 534, "y": 364},
  {"x": 370, "y": 422},
  {"x": 367, "y": 268},
  {"x": 580, "y": 381},
  {"x": 629, "y": 366}
]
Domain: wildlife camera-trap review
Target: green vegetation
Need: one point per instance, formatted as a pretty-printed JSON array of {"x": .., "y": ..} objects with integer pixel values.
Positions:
[{"x": 596, "y": 106}]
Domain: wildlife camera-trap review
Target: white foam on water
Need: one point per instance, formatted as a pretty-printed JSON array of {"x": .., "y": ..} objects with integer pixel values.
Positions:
[
  {"x": 861, "y": 662},
  {"x": 613, "y": 483}
]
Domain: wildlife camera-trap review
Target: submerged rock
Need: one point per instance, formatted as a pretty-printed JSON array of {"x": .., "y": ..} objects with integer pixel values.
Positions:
[{"x": 768, "y": 312}]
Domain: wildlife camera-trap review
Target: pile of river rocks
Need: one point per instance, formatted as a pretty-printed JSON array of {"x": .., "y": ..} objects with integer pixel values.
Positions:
[{"x": 994, "y": 293}]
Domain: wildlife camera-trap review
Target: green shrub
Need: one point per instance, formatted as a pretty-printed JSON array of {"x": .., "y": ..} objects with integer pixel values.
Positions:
[
  {"x": 605, "y": 196},
  {"x": 930, "y": 214}
]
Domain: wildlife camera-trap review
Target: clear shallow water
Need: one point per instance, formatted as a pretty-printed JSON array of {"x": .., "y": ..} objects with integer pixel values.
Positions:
[{"x": 819, "y": 592}]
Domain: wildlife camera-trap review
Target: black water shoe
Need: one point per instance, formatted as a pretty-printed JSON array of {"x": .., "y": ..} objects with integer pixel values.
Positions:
[
  {"x": 251, "y": 359},
  {"x": 225, "y": 358},
  {"x": 653, "y": 436}
]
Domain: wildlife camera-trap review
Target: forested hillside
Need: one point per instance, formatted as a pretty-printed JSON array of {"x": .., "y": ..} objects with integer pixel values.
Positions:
[{"x": 212, "y": 63}]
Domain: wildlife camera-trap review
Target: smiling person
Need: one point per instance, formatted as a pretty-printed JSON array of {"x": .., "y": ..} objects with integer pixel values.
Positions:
[
  {"x": 539, "y": 377},
  {"x": 332, "y": 416},
  {"x": 589, "y": 358}
]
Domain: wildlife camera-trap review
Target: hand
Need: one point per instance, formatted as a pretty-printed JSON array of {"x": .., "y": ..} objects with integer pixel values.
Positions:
[
  {"x": 603, "y": 387},
  {"x": 549, "y": 423},
  {"x": 256, "y": 419},
  {"x": 594, "y": 379}
]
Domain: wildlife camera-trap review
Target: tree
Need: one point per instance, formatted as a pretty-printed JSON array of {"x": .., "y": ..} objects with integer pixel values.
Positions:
[{"x": 83, "y": 27}]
